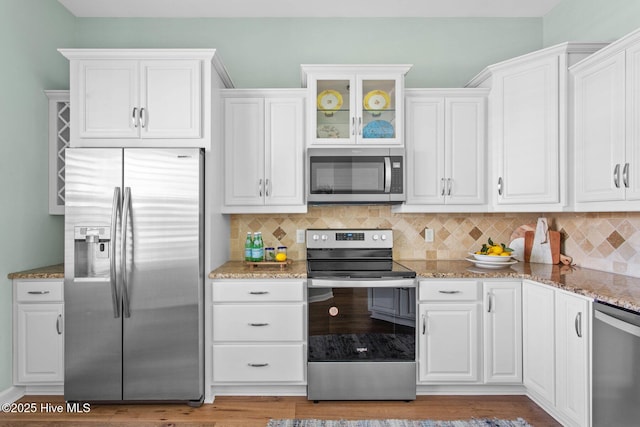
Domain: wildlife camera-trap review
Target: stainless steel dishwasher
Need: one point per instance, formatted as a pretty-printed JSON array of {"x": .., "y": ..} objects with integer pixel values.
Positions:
[{"x": 616, "y": 366}]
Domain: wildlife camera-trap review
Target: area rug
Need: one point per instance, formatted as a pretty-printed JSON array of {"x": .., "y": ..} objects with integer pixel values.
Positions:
[{"x": 475, "y": 422}]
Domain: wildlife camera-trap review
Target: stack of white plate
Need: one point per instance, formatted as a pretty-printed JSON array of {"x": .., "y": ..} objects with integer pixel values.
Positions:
[{"x": 491, "y": 261}]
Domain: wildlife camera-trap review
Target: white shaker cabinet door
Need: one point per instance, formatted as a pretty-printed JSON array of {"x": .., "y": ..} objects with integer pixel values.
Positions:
[
  {"x": 170, "y": 98},
  {"x": 526, "y": 133},
  {"x": 107, "y": 94},
  {"x": 426, "y": 150},
  {"x": 284, "y": 148},
  {"x": 39, "y": 343},
  {"x": 465, "y": 150},
  {"x": 572, "y": 341},
  {"x": 244, "y": 151},
  {"x": 632, "y": 149},
  {"x": 538, "y": 323},
  {"x": 600, "y": 131},
  {"x": 448, "y": 343},
  {"x": 502, "y": 332}
]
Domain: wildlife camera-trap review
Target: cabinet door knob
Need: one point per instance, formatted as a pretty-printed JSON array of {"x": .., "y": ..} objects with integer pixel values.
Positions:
[
  {"x": 616, "y": 176},
  {"x": 625, "y": 175},
  {"x": 449, "y": 180},
  {"x": 500, "y": 186},
  {"x": 260, "y": 187}
]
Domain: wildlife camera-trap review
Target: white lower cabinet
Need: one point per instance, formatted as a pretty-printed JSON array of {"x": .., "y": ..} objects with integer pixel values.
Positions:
[
  {"x": 258, "y": 333},
  {"x": 573, "y": 334},
  {"x": 468, "y": 338},
  {"x": 449, "y": 329},
  {"x": 502, "y": 325},
  {"x": 557, "y": 334},
  {"x": 538, "y": 340},
  {"x": 38, "y": 347}
]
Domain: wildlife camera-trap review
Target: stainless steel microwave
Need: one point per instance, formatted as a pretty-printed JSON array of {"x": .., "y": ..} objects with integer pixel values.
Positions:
[{"x": 355, "y": 175}]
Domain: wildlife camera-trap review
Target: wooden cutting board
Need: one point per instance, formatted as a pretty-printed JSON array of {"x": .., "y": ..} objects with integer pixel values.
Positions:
[{"x": 554, "y": 241}]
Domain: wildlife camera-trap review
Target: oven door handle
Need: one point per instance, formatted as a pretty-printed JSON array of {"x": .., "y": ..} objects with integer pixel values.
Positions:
[{"x": 341, "y": 282}]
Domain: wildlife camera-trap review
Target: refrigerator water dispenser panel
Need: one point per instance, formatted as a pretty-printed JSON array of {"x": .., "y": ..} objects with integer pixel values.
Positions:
[{"x": 92, "y": 245}]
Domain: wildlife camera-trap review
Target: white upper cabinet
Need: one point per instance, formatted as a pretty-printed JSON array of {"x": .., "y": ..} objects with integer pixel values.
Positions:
[
  {"x": 445, "y": 145},
  {"x": 607, "y": 128},
  {"x": 143, "y": 97},
  {"x": 263, "y": 150},
  {"x": 355, "y": 104},
  {"x": 528, "y": 136}
]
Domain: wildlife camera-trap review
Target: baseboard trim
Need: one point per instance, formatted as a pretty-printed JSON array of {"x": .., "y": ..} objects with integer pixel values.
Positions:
[{"x": 12, "y": 394}]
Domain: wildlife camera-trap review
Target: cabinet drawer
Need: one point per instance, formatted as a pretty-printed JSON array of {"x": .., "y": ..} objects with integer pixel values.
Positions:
[
  {"x": 251, "y": 322},
  {"x": 37, "y": 291},
  {"x": 255, "y": 291},
  {"x": 455, "y": 290},
  {"x": 258, "y": 363}
]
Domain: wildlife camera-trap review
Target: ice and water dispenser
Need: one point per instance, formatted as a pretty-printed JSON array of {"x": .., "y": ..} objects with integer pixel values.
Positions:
[{"x": 92, "y": 251}]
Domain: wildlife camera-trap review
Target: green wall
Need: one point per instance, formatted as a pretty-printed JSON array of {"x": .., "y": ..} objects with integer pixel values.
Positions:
[
  {"x": 30, "y": 32},
  {"x": 591, "y": 20},
  {"x": 268, "y": 52}
]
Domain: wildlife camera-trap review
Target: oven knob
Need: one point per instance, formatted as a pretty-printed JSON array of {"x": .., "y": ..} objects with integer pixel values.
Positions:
[
  {"x": 325, "y": 237},
  {"x": 383, "y": 237},
  {"x": 375, "y": 237},
  {"x": 315, "y": 237}
]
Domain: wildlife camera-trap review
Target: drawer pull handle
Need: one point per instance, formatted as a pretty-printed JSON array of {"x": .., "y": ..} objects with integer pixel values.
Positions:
[
  {"x": 258, "y": 324},
  {"x": 38, "y": 292},
  {"x": 258, "y": 292},
  {"x": 449, "y": 292},
  {"x": 258, "y": 365}
]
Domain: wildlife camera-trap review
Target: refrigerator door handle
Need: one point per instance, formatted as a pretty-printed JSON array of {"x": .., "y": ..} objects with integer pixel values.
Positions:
[
  {"x": 115, "y": 210},
  {"x": 123, "y": 251}
]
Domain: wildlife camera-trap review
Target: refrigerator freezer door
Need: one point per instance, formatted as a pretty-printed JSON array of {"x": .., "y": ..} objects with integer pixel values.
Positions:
[
  {"x": 163, "y": 335},
  {"x": 93, "y": 330}
]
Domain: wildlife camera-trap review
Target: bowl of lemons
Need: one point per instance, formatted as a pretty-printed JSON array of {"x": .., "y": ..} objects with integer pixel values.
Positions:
[{"x": 492, "y": 255}]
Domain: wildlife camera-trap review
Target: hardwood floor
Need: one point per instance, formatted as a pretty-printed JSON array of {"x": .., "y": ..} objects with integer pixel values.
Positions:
[{"x": 256, "y": 411}]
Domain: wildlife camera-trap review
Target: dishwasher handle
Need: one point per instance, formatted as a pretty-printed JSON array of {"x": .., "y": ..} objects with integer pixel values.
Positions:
[{"x": 617, "y": 323}]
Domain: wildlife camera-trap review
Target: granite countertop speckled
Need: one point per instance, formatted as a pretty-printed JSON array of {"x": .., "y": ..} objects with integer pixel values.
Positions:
[
  {"x": 48, "y": 272},
  {"x": 239, "y": 270},
  {"x": 623, "y": 291},
  {"x": 617, "y": 289}
]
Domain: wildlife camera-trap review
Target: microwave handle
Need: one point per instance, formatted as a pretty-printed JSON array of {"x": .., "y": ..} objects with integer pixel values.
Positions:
[{"x": 387, "y": 174}]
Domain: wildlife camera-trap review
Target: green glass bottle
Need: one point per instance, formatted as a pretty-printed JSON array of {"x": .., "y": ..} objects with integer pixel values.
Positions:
[{"x": 248, "y": 247}]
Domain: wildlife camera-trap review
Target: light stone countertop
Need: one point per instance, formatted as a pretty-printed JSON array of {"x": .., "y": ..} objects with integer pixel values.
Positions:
[
  {"x": 48, "y": 272},
  {"x": 617, "y": 289}
]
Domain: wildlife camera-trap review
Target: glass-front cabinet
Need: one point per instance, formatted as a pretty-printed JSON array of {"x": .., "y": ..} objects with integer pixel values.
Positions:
[{"x": 355, "y": 104}]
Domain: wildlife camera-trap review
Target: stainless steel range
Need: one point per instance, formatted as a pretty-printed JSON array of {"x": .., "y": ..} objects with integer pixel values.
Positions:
[{"x": 362, "y": 339}]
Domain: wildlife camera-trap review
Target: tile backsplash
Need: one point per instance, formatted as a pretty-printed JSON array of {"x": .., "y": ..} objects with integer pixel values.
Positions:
[{"x": 603, "y": 241}]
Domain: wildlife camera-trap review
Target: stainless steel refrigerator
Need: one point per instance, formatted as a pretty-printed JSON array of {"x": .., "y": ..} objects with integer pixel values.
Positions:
[{"x": 133, "y": 286}]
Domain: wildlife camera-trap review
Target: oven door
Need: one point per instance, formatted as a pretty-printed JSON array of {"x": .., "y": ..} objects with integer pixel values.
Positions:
[{"x": 362, "y": 320}]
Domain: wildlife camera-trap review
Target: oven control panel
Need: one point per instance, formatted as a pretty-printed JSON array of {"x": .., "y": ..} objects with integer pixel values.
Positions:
[{"x": 344, "y": 238}]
